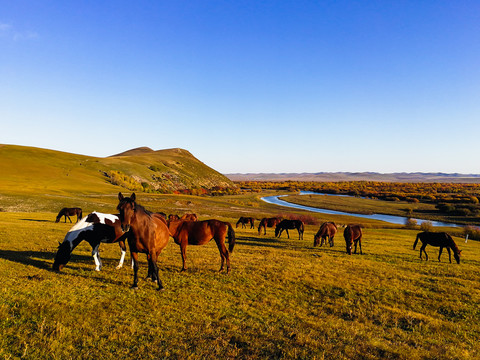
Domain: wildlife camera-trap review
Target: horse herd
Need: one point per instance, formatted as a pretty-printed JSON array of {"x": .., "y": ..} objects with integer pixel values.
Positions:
[{"x": 149, "y": 233}]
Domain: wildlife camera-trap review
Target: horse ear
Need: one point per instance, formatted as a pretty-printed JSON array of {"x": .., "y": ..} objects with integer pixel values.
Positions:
[
  {"x": 120, "y": 196},
  {"x": 133, "y": 197}
]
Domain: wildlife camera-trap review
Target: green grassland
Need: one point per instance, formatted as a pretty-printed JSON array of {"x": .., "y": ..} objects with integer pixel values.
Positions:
[{"x": 283, "y": 298}]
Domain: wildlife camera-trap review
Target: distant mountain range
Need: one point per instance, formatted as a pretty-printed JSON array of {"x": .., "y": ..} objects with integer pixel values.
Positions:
[{"x": 358, "y": 176}]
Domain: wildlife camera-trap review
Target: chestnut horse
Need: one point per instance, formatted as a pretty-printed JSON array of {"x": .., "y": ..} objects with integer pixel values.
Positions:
[
  {"x": 67, "y": 212},
  {"x": 94, "y": 228},
  {"x": 267, "y": 222},
  {"x": 244, "y": 221},
  {"x": 327, "y": 230},
  {"x": 189, "y": 217},
  {"x": 201, "y": 232},
  {"x": 149, "y": 235},
  {"x": 290, "y": 224},
  {"x": 442, "y": 240},
  {"x": 353, "y": 235}
]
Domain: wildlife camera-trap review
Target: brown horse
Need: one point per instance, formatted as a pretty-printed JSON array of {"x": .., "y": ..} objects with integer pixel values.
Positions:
[
  {"x": 327, "y": 230},
  {"x": 353, "y": 234},
  {"x": 290, "y": 224},
  {"x": 244, "y": 221},
  {"x": 442, "y": 240},
  {"x": 67, "y": 212},
  {"x": 267, "y": 222},
  {"x": 149, "y": 235},
  {"x": 201, "y": 232},
  {"x": 189, "y": 217}
]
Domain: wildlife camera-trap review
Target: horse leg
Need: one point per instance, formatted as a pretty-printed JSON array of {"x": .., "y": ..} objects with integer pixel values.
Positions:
[
  {"x": 68, "y": 219},
  {"x": 153, "y": 264},
  {"x": 183, "y": 251},
  {"x": 122, "y": 257},
  {"x": 224, "y": 255},
  {"x": 360, "y": 244},
  {"x": 440, "y": 252},
  {"x": 288, "y": 235},
  {"x": 423, "y": 249},
  {"x": 449, "y": 255},
  {"x": 330, "y": 240},
  {"x": 135, "y": 269},
  {"x": 300, "y": 234},
  {"x": 96, "y": 257}
]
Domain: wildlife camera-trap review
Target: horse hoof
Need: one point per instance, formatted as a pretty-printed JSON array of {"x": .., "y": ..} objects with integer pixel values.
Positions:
[
  {"x": 134, "y": 287},
  {"x": 161, "y": 289}
]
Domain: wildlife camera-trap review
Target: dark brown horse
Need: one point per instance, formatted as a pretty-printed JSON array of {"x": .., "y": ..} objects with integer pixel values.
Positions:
[
  {"x": 440, "y": 239},
  {"x": 244, "y": 221},
  {"x": 327, "y": 230},
  {"x": 290, "y": 224},
  {"x": 67, "y": 212},
  {"x": 267, "y": 222},
  {"x": 353, "y": 235},
  {"x": 201, "y": 232},
  {"x": 149, "y": 235},
  {"x": 189, "y": 217}
]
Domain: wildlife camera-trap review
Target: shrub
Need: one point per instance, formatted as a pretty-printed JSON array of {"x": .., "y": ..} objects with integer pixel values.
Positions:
[
  {"x": 411, "y": 223},
  {"x": 426, "y": 226}
]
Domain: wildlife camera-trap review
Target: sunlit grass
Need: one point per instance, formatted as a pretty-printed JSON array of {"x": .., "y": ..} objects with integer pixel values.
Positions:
[{"x": 282, "y": 299}]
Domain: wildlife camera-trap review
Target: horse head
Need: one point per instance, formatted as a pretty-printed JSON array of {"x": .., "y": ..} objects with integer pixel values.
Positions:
[
  {"x": 126, "y": 207},
  {"x": 316, "y": 239},
  {"x": 456, "y": 255},
  {"x": 63, "y": 255}
]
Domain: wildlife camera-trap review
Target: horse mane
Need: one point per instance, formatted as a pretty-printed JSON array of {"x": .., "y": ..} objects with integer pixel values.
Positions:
[{"x": 454, "y": 246}]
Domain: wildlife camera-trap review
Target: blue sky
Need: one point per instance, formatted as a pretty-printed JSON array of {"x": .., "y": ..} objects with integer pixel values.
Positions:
[{"x": 248, "y": 86}]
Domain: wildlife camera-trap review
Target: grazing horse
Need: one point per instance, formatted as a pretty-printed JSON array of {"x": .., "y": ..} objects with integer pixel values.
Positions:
[
  {"x": 189, "y": 217},
  {"x": 290, "y": 224},
  {"x": 440, "y": 239},
  {"x": 94, "y": 228},
  {"x": 353, "y": 235},
  {"x": 267, "y": 222},
  {"x": 67, "y": 212},
  {"x": 327, "y": 230},
  {"x": 148, "y": 234},
  {"x": 201, "y": 232},
  {"x": 244, "y": 221}
]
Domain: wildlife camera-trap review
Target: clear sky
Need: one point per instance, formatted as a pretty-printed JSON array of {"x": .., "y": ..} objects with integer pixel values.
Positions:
[{"x": 248, "y": 86}]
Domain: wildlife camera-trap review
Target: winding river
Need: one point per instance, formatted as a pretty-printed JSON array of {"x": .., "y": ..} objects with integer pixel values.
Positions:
[{"x": 387, "y": 218}]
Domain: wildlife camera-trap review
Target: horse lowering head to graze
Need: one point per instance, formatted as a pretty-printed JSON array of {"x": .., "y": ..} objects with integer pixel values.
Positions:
[
  {"x": 67, "y": 212},
  {"x": 201, "y": 232},
  {"x": 327, "y": 230},
  {"x": 438, "y": 239},
  {"x": 244, "y": 221},
  {"x": 267, "y": 222},
  {"x": 149, "y": 234},
  {"x": 353, "y": 235},
  {"x": 94, "y": 228},
  {"x": 189, "y": 217},
  {"x": 290, "y": 224}
]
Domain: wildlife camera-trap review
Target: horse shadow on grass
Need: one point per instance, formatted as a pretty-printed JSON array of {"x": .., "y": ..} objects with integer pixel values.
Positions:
[
  {"x": 37, "y": 259},
  {"x": 262, "y": 242}
]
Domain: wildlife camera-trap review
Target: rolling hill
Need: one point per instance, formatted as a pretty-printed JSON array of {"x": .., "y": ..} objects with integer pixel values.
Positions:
[{"x": 31, "y": 172}]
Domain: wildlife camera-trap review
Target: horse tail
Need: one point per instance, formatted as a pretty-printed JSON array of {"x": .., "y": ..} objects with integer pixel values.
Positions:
[
  {"x": 231, "y": 237},
  {"x": 416, "y": 241}
]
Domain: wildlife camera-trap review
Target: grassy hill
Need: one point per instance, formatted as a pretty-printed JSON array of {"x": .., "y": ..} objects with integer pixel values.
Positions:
[{"x": 29, "y": 172}]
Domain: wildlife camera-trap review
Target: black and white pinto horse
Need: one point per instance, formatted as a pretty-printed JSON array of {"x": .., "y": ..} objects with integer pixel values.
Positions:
[{"x": 94, "y": 228}]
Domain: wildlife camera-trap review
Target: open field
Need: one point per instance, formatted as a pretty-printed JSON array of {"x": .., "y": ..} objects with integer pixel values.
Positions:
[{"x": 282, "y": 299}]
